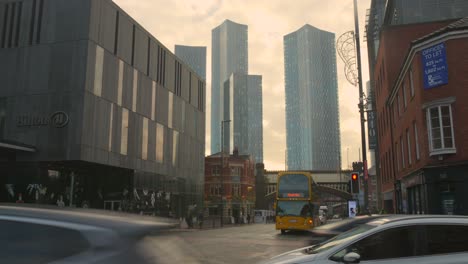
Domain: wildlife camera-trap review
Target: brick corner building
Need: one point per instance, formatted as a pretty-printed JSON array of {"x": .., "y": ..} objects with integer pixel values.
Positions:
[
  {"x": 238, "y": 179},
  {"x": 421, "y": 100}
]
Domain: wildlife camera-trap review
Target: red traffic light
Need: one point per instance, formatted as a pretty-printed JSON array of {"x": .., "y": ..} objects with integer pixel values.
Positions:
[{"x": 354, "y": 176}]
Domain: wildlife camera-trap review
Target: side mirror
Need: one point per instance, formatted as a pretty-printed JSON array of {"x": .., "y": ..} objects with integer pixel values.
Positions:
[{"x": 351, "y": 257}]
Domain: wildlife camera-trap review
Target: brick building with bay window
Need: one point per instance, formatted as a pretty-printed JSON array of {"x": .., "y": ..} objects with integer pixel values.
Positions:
[{"x": 421, "y": 80}]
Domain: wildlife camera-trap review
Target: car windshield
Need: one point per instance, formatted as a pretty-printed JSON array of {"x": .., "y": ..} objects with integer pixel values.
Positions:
[{"x": 339, "y": 239}]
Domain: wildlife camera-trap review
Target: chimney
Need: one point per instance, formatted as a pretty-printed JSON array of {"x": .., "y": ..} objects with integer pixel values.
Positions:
[{"x": 235, "y": 152}]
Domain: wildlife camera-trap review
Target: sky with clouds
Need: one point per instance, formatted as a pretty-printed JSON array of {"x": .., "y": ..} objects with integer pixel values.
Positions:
[{"x": 189, "y": 22}]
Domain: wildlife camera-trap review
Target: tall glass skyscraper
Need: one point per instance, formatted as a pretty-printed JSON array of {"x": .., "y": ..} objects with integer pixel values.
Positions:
[
  {"x": 312, "y": 114},
  {"x": 194, "y": 57},
  {"x": 229, "y": 55},
  {"x": 243, "y": 106}
]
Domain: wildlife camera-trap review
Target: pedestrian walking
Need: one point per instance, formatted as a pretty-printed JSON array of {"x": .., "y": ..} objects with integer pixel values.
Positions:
[
  {"x": 200, "y": 220},
  {"x": 248, "y": 218}
]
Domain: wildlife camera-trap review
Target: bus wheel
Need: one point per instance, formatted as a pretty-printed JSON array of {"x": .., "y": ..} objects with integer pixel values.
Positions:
[{"x": 283, "y": 231}]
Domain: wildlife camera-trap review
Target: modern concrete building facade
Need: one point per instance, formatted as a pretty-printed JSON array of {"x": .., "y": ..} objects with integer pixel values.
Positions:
[
  {"x": 229, "y": 55},
  {"x": 194, "y": 57},
  {"x": 311, "y": 88},
  {"x": 243, "y": 106},
  {"x": 111, "y": 117}
]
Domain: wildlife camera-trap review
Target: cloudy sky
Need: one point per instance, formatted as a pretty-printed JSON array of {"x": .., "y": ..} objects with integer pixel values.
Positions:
[{"x": 189, "y": 22}]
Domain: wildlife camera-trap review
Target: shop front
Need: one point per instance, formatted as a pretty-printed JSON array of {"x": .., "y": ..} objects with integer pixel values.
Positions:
[{"x": 447, "y": 190}]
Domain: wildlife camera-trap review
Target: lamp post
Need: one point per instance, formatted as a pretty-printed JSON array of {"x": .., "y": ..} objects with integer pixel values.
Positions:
[
  {"x": 222, "y": 171},
  {"x": 361, "y": 105}
]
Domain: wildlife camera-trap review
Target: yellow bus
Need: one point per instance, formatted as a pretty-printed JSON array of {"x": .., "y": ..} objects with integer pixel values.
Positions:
[{"x": 296, "y": 208}]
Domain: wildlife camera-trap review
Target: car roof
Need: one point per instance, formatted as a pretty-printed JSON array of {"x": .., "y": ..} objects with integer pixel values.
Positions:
[
  {"x": 418, "y": 218},
  {"x": 121, "y": 223},
  {"x": 349, "y": 221}
]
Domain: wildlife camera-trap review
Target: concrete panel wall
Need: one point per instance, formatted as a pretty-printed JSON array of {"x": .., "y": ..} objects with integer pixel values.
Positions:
[
  {"x": 140, "y": 60},
  {"x": 124, "y": 42}
]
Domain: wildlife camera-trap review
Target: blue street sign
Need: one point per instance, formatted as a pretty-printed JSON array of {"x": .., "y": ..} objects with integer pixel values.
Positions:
[
  {"x": 371, "y": 133},
  {"x": 435, "y": 70}
]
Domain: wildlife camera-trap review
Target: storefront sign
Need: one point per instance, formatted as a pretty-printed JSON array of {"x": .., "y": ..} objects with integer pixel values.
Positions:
[
  {"x": 58, "y": 119},
  {"x": 435, "y": 70}
]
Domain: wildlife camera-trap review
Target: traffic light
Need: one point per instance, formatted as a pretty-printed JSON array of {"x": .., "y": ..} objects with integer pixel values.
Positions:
[{"x": 354, "y": 182}]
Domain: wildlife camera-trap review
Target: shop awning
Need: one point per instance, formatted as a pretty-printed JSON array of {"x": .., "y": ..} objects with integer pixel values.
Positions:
[{"x": 17, "y": 146}]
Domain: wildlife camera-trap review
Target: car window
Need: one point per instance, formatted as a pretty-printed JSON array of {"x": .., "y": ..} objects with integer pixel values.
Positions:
[
  {"x": 339, "y": 239},
  {"x": 392, "y": 243},
  {"x": 443, "y": 239},
  {"x": 33, "y": 243}
]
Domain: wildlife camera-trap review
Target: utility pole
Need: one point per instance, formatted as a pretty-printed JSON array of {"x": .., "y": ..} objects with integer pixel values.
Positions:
[{"x": 361, "y": 104}]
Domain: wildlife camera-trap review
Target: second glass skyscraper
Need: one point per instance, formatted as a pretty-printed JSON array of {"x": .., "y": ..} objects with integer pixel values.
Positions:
[{"x": 312, "y": 116}]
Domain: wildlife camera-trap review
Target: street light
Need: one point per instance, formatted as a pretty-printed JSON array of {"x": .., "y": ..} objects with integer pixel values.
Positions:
[{"x": 222, "y": 171}]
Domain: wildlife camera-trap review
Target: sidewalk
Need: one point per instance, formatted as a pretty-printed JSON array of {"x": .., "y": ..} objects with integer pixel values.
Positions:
[{"x": 211, "y": 223}]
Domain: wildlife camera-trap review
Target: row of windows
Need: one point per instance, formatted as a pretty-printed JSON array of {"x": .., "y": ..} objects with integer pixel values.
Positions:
[
  {"x": 235, "y": 171},
  {"x": 98, "y": 87},
  {"x": 161, "y": 55},
  {"x": 397, "y": 108},
  {"x": 441, "y": 140},
  {"x": 144, "y": 143}
]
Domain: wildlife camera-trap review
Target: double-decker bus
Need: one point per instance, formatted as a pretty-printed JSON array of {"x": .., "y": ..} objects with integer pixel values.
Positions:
[{"x": 296, "y": 208}]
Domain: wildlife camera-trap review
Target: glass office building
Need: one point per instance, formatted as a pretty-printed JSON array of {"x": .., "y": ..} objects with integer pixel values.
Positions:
[
  {"x": 243, "y": 106},
  {"x": 194, "y": 57},
  {"x": 311, "y": 88},
  {"x": 229, "y": 55}
]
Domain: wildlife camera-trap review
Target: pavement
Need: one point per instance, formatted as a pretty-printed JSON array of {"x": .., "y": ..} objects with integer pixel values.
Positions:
[{"x": 209, "y": 223}]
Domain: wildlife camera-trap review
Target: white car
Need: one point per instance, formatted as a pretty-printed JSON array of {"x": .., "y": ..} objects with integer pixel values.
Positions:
[{"x": 411, "y": 239}]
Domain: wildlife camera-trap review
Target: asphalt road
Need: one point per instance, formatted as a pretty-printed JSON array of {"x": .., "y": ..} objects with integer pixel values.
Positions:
[{"x": 236, "y": 244}]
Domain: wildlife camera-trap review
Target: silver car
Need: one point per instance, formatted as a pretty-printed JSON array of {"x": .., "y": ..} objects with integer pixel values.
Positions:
[{"x": 411, "y": 239}]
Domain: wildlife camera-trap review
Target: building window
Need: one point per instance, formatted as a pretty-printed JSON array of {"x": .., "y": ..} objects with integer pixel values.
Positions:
[
  {"x": 399, "y": 105},
  {"x": 170, "y": 103},
  {"x": 135, "y": 90},
  {"x": 405, "y": 101},
  {"x": 411, "y": 82},
  {"x": 120, "y": 83},
  {"x": 403, "y": 164},
  {"x": 236, "y": 190},
  {"x": 124, "y": 134},
  {"x": 440, "y": 125},
  {"x": 235, "y": 171},
  {"x": 215, "y": 189},
  {"x": 175, "y": 147},
  {"x": 144, "y": 141},
  {"x": 408, "y": 143},
  {"x": 182, "y": 129},
  {"x": 416, "y": 141},
  {"x": 396, "y": 156},
  {"x": 153, "y": 101},
  {"x": 111, "y": 120},
  {"x": 215, "y": 170},
  {"x": 99, "y": 68},
  {"x": 159, "y": 143}
]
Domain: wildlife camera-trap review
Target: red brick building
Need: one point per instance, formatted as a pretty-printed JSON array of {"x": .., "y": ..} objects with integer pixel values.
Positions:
[
  {"x": 421, "y": 93},
  {"x": 238, "y": 176}
]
